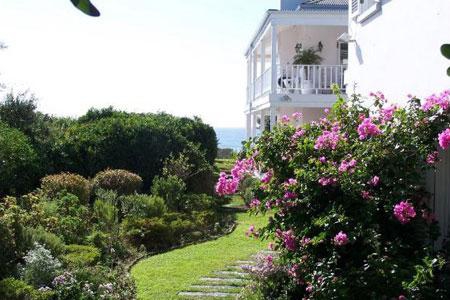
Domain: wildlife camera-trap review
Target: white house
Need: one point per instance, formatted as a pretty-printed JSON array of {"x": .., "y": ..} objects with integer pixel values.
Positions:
[
  {"x": 394, "y": 47},
  {"x": 277, "y": 86}
]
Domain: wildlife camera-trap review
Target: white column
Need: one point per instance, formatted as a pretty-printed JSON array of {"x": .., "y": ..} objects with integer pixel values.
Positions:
[
  {"x": 248, "y": 124},
  {"x": 255, "y": 70},
  {"x": 273, "y": 114},
  {"x": 274, "y": 55},
  {"x": 253, "y": 131}
]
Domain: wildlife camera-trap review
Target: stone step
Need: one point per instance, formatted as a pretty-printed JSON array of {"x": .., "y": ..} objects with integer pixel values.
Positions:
[
  {"x": 224, "y": 280},
  {"x": 214, "y": 287},
  {"x": 238, "y": 268},
  {"x": 235, "y": 274},
  {"x": 208, "y": 294}
]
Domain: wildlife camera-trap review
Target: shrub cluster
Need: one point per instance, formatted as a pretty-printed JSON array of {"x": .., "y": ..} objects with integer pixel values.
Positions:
[
  {"x": 351, "y": 216},
  {"x": 121, "y": 181},
  {"x": 67, "y": 182}
]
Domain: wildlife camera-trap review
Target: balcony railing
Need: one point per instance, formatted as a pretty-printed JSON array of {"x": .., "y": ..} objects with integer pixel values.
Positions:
[
  {"x": 309, "y": 79},
  {"x": 298, "y": 79}
]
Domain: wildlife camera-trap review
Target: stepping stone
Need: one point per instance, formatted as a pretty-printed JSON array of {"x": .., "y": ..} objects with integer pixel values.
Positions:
[
  {"x": 231, "y": 273},
  {"x": 208, "y": 294},
  {"x": 214, "y": 287},
  {"x": 234, "y": 268},
  {"x": 245, "y": 262},
  {"x": 223, "y": 280}
]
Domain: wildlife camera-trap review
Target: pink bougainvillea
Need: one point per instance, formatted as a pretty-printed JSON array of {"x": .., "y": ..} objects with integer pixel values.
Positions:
[
  {"x": 328, "y": 140},
  {"x": 297, "y": 115},
  {"x": 444, "y": 139},
  {"x": 226, "y": 185},
  {"x": 324, "y": 181},
  {"x": 387, "y": 113},
  {"x": 288, "y": 238},
  {"x": 347, "y": 165},
  {"x": 432, "y": 158},
  {"x": 404, "y": 212},
  {"x": 267, "y": 177},
  {"x": 285, "y": 119},
  {"x": 375, "y": 181},
  {"x": 341, "y": 239},
  {"x": 298, "y": 134},
  {"x": 368, "y": 129},
  {"x": 442, "y": 101}
]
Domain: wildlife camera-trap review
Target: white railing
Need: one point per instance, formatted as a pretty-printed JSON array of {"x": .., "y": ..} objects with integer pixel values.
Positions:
[
  {"x": 309, "y": 79},
  {"x": 298, "y": 79}
]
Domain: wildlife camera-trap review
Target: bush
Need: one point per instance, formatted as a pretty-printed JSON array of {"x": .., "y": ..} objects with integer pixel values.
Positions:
[
  {"x": 154, "y": 233},
  {"x": 13, "y": 240},
  {"x": 195, "y": 202},
  {"x": 352, "y": 218},
  {"x": 121, "y": 181},
  {"x": 74, "y": 184},
  {"x": 18, "y": 162},
  {"x": 14, "y": 289},
  {"x": 40, "y": 266},
  {"x": 171, "y": 189},
  {"x": 68, "y": 218},
  {"x": 143, "y": 206},
  {"x": 81, "y": 256},
  {"x": 47, "y": 239}
]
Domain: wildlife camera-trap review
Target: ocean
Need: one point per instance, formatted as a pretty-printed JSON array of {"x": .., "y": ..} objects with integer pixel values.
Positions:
[{"x": 230, "y": 137}]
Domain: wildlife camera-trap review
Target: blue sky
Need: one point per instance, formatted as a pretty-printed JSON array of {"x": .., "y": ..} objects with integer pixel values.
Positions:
[{"x": 181, "y": 57}]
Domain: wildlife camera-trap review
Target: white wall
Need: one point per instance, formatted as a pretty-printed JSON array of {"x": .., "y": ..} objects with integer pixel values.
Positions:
[
  {"x": 397, "y": 51},
  {"x": 310, "y": 36}
]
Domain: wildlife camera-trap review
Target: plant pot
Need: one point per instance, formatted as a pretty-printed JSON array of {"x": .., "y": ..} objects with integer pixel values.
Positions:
[{"x": 307, "y": 87}]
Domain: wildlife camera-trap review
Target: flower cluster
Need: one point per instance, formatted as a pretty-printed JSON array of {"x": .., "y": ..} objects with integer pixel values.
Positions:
[
  {"x": 340, "y": 239},
  {"x": 328, "y": 140},
  {"x": 442, "y": 101},
  {"x": 228, "y": 185},
  {"x": 368, "y": 129},
  {"x": 387, "y": 113},
  {"x": 348, "y": 165},
  {"x": 404, "y": 212},
  {"x": 444, "y": 139},
  {"x": 432, "y": 158},
  {"x": 288, "y": 238},
  {"x": 324, "y": 181}
]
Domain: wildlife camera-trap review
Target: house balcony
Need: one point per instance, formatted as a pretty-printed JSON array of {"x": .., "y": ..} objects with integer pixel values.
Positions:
[{"x": 296, "y": 85}]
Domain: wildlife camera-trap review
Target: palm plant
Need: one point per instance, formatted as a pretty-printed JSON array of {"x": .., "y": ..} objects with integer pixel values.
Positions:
[{"x": 307, "y": 57}]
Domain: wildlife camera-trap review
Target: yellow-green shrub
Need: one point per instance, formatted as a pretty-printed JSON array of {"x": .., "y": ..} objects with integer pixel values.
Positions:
[
  {"x": 121, "y": 181},
  {"x": 72, "y": 183},
  {"x": 81, "y": 255}
]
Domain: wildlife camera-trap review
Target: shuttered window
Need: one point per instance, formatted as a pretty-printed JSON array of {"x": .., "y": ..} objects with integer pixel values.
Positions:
[{"x": 354, "y": 6}]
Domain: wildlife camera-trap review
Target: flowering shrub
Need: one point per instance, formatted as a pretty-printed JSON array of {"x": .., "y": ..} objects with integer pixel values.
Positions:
[
  {"x": 346, "y": 195},
  {"x": 71, "y": 183}
]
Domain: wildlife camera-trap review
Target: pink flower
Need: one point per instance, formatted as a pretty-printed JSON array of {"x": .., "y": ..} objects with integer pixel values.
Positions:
[
  {"x": 324, "y": 181},
  {"x": 271, "y": 246},
  {"x": 289, "y": 195},
  {"x": 293, "y": 270},
  {"x": 404, "y": 212},
  {"x": 298, "y": 134},
  {"x": 432, "y": 158},
  {"x": 374, "y": 181},
  {"x": 289, "y": 240},
  {"x": 285, "y": 119},
  {"x": 328, "y": 140},
  {"x": 365, "y": 195},
  {"x": 442, "y": 101},
  {"x": 269, "y": 259},
  {"x": 226, "y": 185},
  {"x": 323, "y": 159},
  {"x": 255, "y": 203},
  {"x": 387, "y": 113},
  {"x": 251, "y": 231},
  {"x": 401, "y": 297},
  {"x": 367, "y": 129},
  {"x": 269, "y": 205},
  {"x": 305, "y": 241},
  {"x": 309, "y": 288},
  {"x": 340, "y": 239},
  {"x": 326, "y": 111},
  {"x": 347, "y": 166},
  {"x": 297, "y": 115},
  {"x": 444, "y": 138},
  {"x": 290, "y": 183},
  {"x": 242, "y": 167},
  {"x": 267, "y": 177}
]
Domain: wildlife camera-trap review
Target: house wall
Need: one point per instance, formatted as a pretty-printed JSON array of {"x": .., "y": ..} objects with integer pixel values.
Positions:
[
  {"x": 309, "y": 113},
  {"x": 397, "y": 50},
  {"x": 310, "y": 36}
]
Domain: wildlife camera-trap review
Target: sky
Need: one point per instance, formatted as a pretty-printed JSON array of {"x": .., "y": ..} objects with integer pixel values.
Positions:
[{"x": 181, "y": 57}]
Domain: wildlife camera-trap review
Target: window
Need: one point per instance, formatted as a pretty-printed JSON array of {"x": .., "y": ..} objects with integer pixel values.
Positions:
[{"x": 364, "y": 9}]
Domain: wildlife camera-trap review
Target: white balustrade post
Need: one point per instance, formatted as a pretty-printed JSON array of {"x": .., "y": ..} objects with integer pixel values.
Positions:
[
  {"x": 272, "y": 118},
  {"x": 263, "y": 63},
  {"x": 274, "y": 55}
]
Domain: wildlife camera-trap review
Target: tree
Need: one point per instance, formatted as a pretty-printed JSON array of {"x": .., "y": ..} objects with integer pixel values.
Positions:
[{"x": 87, "y": 7}]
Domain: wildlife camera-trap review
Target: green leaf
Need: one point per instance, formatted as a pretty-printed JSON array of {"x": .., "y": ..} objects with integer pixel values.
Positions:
[
  {"x": 86, "y": 7},
  {"x": 445, "y": 50}
]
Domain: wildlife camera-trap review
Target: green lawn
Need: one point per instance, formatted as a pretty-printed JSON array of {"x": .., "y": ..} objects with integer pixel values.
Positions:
[
  {"x": 162, "y": 276},
  {"x": 225, "y": 164}
]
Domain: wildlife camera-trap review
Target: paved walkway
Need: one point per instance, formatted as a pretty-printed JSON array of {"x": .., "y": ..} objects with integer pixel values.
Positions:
[{"x": 224, "y": 284}]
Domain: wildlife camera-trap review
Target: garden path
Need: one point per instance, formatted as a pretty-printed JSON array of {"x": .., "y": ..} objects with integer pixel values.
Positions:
[{"x": 163, "y": 276}]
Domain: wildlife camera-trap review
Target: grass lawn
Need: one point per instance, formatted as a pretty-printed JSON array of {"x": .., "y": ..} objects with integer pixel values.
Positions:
[
  {"x": 225, "y": 164},
  {"x": 162, "y": 276}
]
